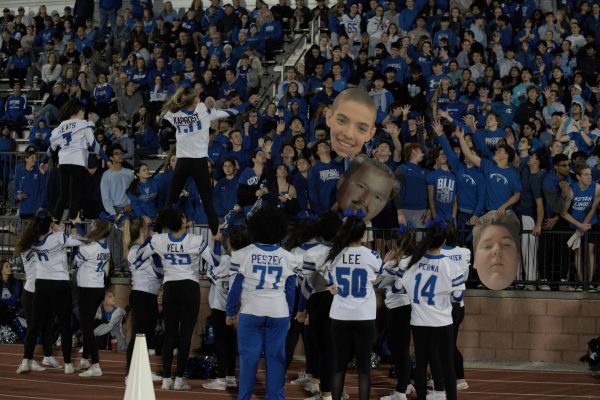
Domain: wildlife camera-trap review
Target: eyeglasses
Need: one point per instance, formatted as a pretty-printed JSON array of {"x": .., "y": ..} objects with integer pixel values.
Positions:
[
  {"x": 117, "y": 153},
  {"x": 563, "y": 165}
]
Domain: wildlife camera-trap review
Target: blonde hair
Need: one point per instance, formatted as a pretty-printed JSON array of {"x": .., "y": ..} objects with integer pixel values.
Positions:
[
  {"x": 131, "y": 232},
  {"x": 100, "y": 231},
  {"x": 182, "y": 98}
]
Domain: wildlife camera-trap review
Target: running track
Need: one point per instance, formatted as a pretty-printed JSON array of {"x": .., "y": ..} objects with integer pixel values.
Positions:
[{"x": 488, "y": 384}]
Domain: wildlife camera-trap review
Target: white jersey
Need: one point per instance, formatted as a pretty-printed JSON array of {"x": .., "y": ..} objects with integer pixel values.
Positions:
[
  {"x": 312, "y": 269},
  {"x": 353, "y": 271},
  {"x": 192, "y": 129},
  {"x": 73, "y": 136},
  {"x": 29, "y": 259},
  {"x": 91, "y": 261},
  {"x": 51, "y": 251},
  {"x": 461, "y": 256},
  {"x": 394, "y": 297},
  {"x": 180, "y": 256},
  {"x": 430, "y": 283},
  {"x": 352, "y": 24},
  {"x": 219, "y": 277},
  {"x": 146, "y": 273},
  {"x": 265, "y": 270}
]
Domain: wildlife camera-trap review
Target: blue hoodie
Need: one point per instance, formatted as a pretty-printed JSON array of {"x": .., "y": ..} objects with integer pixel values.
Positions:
[
  {"x": 33, "y": 184},
  {"x": 225, "y": 195},
  {"x": 15, "y": 108},
  {"x": 322, "y": 185},
  {"x": 103, "y": 93},
  {"x": 43, "y": 133},
  {"x": 146, "y": 203},
  {"x": 19, "y": 62}
]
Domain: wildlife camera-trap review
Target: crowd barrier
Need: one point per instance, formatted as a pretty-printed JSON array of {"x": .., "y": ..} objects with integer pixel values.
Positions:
[{"x": 547, "y": 254}]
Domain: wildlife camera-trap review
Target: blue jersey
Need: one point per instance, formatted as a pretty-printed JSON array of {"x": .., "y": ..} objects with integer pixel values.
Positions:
[
  {"x": 413, "y": 193},
  {"x": 500, "y": 184},
  {"x": 444, "y": 191},
  {"x": 583, "y": 199}
]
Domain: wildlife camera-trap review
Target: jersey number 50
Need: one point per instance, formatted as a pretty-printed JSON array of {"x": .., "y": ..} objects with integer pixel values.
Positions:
[{"x": 356, "y": 285}]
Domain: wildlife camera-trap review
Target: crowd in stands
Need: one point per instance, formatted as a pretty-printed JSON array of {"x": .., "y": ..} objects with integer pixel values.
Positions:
[{"x": 481, "y": 105}]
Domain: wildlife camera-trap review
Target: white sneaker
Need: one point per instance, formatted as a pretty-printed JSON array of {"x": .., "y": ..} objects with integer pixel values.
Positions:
[
  {"x": 394, "y": 396},
  {"x": 80, "y": 350},
  {"x": 69, "y": 368},
  {"x": 461, "y": 384},
  {"x": 126, "y": 380},
  {"x": 167, "y": 384},
  {"x": 82, "y": 364},
  {"x": 302, "y": 379},
  {"x": 181, "y": 384},
  {"x": 345, "y": 395},
  {"x": 24, "y": 366},
  {"x": 434, "y": 395},
  {"x": 216, "y": 384},
  {"x": 318, "y": 397},
  {"x": 544, "y": 287},
  {"x": 94, "y": 370},
  {"x": 156, "y": 377},
  {"x": 51, "y": 362},
  {"x": 311, "y": 387},
  {"x": 410, "y": 390},
  {"x": 34, "y": 366},
  {"x": 430, "y": 383},
  {"x": 231, "y": 382},
  {"x": 151, "y": 352}
]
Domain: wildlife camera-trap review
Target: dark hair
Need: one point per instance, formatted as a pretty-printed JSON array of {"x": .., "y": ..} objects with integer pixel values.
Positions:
[
  {"x": 70, "y": 108},
  {"x": 134, "y": 186},
  {"x": 434, "y": 239},
  {"x": 403, "y": 245},
  {"x": 557, "y": 159},
  {"x": 131, "y": 232},
  {"x": 326, "y": 227},
  {"x": 169, "y": 218},
  {"x": 510, "y": 151},
  {"x": 268, "y": 225},
  {"x": 239, "y": 237},
  {"x": 35, "y": 228},
  {"x": 543, "y": 157},
  {"x": 351, "y": 231}
]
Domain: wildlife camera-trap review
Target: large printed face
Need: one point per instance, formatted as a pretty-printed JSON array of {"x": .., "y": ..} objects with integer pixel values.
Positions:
[
  {"x": 496, "y": 257},
  {"x": 351, "y": 124}
]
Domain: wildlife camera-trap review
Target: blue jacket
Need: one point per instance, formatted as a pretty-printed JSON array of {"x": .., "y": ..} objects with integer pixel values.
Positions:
[
  {"x": 19, "y": 62},
  {"x": 149, "y": 139},
  {"x": 40, "y": 135},
  {"x": 191, "y": 205},
  {"x": 322, "y": 185},
  {"x": 33, "y": 184},
  {"x": 15, "y": 108},
  {"x": 272, "y": 30},
  {"x": 301, "y": 185},
  {"x": 413, "y": 193},
  {"x": 103, "y": 94},
  {"x": 146, "y": 203},
  {"x": 225, "y": 195},
  {"x": 108, "y": 5}
]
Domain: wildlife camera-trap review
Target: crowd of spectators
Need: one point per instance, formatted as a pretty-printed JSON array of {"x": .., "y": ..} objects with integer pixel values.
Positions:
[{"x": 520, "y": 78}]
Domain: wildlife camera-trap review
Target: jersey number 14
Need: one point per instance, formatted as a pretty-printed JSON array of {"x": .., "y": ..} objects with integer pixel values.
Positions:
[{"x": 428, "y": 290}]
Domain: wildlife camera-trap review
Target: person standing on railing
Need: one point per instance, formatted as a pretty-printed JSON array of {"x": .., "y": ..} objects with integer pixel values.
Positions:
[{"x": 30, "y": 186}]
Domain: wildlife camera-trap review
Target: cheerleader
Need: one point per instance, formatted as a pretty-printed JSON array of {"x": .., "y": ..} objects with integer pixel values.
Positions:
[
  {"x": 352, "y": 268},
  {"x": 74, "y": 135},
  {"x": 91, "y": 262},
  {"x": 29, "y": 260},
  {"x": 225, "y": 343},
  {"x": 430, "y": 279},
  {"x": 52, "y": 286},
  {"x": 180, "y": 254},
  {"x": 264, "y": 283},
  {"x": 146, "y": 278},
  {"x": 461, "y": 256},
  {"x": 398, "y": 303},
  {"x": 315, "y": 245},
  {"x": 191, "y": 119}
]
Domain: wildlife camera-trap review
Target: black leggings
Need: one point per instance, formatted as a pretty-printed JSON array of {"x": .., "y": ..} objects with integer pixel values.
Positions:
[
  {"x": 51, "y": 298},
  {"x": 71, "y": 195},
  {"x": 27, "y": 301},
  {"x": 89, "y": 301},
  {"x": 431, "y": 343},
  {"x": 319, "y": 326},
  {"x": 458, "y": 314},
  {"x": 225, "y": 345},
  {"x": 181, "y": 304},
  {"x": 197, "y": 168},
  {"x": 399, "y": 343},
  {"x": 352, "y": 337},
  {"x": 144, "y": 312},
  {"x": 294, "y": 333}
]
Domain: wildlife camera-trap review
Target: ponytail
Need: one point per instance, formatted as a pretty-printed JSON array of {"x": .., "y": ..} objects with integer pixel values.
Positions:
[
  {"x": 352, "y": 230},
  {"x": 134, "y": 186},
  {"x": 100, "y": 231},
  {"x": 182, "y": 98},
  {"x": 435, "y": 237},
  {"x": 35, "y": 228},
  {"x": 325, "y": 227},
  {"x": 131, "y": 229},
  {"x": 404, "y": 244}
]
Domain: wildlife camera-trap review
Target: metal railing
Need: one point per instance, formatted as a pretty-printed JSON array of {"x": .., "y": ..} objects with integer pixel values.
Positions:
[
  {"x": 9, "y": 163},
  {"x": 547, "y": 256}
]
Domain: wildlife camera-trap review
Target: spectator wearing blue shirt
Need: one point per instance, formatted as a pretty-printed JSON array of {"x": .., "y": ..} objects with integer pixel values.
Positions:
[
  {"x": 239, "y": 147},
  {"x": 15, "y": 108},
  {"x": 30, "y": 186},
  {"x": 253, "y": 181},
  {"x": 81, "y": 40},
  {"x": 445, "y": 32},
  {"x": 143, "y": 193},
  {"x": 103, "y": 96},
  {"x": 441, "y": 187},
  {"x": 138, "y": 7},
  {"x": 394, "y": 60},
  {"x": 411, "y": 202},
  {"x": 434, "y": 79},
  {"x": 108, "y": 14},
  {"x": 323, "y": 178},
  {"x": 232, "y": 85},
  {"x": 505, "y": 108},
  {"x": 147, "y": 141},
  {"x": 16, "y": 69},
  {"x": 581, "y": 134},
  {"x": 382, "y": 98},
  {"x": 39, "y": 135},
  {"x": 300, "y": 182},
  {"x": 272, "y": 33},
  {"x": 225, "y": 191}
]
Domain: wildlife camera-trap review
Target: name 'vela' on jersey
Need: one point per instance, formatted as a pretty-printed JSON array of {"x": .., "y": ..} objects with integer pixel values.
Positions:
[
  {"x": 51, "y": 252},
  {"x": 192, "y": 129},
  {"x": 353, "y": 271},
  {"x": 430, "y": 283},
  {"x": 265, "y": 270},
  {"x": 91, "y": 261},
  {"x": 180, "y": 256},
  {"x": 74, "y": 137}
]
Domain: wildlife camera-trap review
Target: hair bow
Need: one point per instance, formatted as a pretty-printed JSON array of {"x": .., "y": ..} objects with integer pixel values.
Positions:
[
  {"x": 349, "y": 212},
  {"x": 405, "y": 227},
  {"x": 437, "y": 221}
]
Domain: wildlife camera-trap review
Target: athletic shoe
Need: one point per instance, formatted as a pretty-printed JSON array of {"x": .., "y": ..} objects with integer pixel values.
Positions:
[
  {"x": 94, "y": 370},
  {"x": 345, "y": 395},
  {"x": 51, "y": 362},
  {"x": 181, "y": 384},
  {"x": 82, "y": 364},
  {"x": 394, "y": 396},
  {"x": 156, "y": 377},
  {"x": 216, "y": 384},
  {"x": 34, "y": 366},
  {"x": 461, "y": 384},
  {"x": 544, "y": 287},
  {"x": 302, "y": 379},
  {"x": 410, "y": 389},
  {"x": 167, "y": 384},
  {"x": 24, "y": 366},
  {"x": 434, "y": 395},
  {"x": 319, "y": 397},
  {"x": 69, "y": 368},
  {"x": 311, "y": 387},
  {"x": 231, "y": 382},
  {"x": 530, "y": 288},
  {"x": 579, "y": 289}
]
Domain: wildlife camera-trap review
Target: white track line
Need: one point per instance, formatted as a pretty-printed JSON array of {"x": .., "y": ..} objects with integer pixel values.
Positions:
[
  {"x": 531, "y": 395},
  {"x": 29, "y": 397}
]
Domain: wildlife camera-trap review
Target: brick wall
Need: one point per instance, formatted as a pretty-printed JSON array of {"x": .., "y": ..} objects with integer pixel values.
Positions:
[{"x": 528, "y": 329}]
